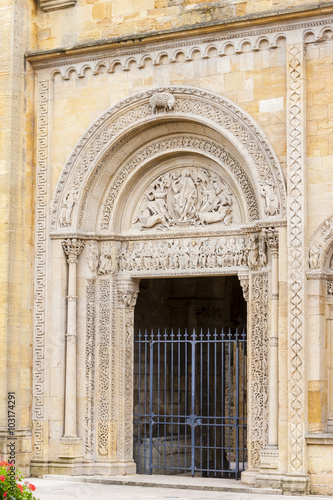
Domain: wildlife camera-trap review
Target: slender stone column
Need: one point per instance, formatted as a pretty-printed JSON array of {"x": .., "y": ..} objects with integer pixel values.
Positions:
[
  {"x": 72, "y": 248},
  {"x": 273, "y": 405}
]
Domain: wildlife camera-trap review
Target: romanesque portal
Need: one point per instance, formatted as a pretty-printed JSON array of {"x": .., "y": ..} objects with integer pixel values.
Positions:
[{"x": 191, "y": 193}]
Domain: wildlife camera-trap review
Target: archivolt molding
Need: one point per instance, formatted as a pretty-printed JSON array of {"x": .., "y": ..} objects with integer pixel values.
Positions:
[
  {"x": 183, "y": 143},
  {"x": 191, "y": 104},
  {"x": 320, "y": 246}
]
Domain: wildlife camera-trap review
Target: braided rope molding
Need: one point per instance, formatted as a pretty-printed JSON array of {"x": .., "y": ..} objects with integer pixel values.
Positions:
[
  {"x": 40, "y": 270},
  {"x": 128, "y": 114},
  {"x": 296, "y": 238}
]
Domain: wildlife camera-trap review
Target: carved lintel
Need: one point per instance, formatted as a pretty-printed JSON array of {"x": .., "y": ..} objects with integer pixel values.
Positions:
[
  {"x": 72, "y": 248},
  {"x": 272, "y": 239},
  {"x": 48, "y": 5}
]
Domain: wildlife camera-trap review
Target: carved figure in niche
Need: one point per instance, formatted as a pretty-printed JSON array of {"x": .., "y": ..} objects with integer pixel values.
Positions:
[
  {"x": 262, "y": 253},
  {"x": 93, "y": 256},
  {"x": 186, "y": 197},
  {"x": 68, "y": 206},
  {"x": 268, "y": 192},
  {"x": 327, "y": 230},
  {"x": 105, "y": 261},
  {"x": 314, "y": 255},
  {"x": 162, "y": 100},
  {"x": 194, "y": 254},
  {"x": 253, "y": 252}
]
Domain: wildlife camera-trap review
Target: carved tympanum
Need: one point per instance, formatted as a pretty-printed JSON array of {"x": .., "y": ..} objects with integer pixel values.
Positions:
[{"x": 186, "y": 197}]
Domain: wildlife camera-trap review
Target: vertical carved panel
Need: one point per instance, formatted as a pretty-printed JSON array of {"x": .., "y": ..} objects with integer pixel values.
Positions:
[
  {"x": 104, "y": 367},
  {"x": 90, "y": 366},
  {"x": 258, "y": 425},
  {"x": 129, "y": 343},
  {"x": 296, "y": 238},
  {"x": 40, "y": 269},
  {"x": 113, "y": 400}
]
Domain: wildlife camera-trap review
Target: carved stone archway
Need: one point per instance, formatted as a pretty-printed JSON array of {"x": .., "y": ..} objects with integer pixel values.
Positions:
[{"x": 129, "y": 166}]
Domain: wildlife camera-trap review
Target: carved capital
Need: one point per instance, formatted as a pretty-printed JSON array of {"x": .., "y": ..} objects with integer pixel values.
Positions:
[
  {"x": 127, "y": 298},
  {"x": 72, "y": 248},
  {"x": 244, "y": 281},
  {"x": 272, "y": 239},
  {"x": 48, "y": 5}
]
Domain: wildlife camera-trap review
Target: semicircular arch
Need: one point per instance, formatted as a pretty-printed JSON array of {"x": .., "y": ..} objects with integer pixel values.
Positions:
[{"x": 222, "y": 124}]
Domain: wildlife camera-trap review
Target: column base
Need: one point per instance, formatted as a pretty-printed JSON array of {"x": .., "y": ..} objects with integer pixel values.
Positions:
[
  {"x": 71, "y": 447},
  {"x": 269, "y": 458},
  {"x": 249, "y": 476},
  {"x": 296, "y": 484}
]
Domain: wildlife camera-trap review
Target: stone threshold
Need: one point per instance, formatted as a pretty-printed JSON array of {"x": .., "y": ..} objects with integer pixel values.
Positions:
[{"x": 178, "y": 482}]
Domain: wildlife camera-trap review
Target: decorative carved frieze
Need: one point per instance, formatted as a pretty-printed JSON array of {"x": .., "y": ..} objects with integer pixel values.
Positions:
[
  {"x": 186, "y": 197},
  {"x": 49, "y": 5},
  {"x": 258, "y": 425},
  {"x": 201, "y": 253},
  {"x": 72, "y": 248}
]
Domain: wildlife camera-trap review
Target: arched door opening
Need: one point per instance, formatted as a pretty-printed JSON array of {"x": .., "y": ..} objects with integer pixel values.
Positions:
[{"x": 190, "y": 377}]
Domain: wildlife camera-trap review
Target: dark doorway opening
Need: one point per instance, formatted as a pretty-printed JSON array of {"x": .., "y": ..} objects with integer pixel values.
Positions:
[{"x": 190, "y": 377}]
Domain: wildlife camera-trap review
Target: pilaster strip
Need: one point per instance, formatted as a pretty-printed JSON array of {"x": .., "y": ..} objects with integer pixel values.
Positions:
[
  {"x": 40, "y": 269},
  {"x": 104, "y": 368},
  {"x": 296, "y": 243}
]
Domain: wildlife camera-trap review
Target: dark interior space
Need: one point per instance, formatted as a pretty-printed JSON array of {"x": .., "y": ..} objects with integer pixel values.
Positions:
[{"x": 190, "y": 377}]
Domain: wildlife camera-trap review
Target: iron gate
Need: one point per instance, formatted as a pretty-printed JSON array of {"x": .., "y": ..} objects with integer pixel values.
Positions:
[{"x": 190, "y": 401}]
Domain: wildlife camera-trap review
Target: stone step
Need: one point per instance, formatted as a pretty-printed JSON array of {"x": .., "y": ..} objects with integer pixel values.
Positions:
[{"x": 180, "y": 482}]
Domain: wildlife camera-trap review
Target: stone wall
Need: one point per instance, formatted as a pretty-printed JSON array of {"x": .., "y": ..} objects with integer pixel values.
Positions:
[{"x": 94, "y": 20}]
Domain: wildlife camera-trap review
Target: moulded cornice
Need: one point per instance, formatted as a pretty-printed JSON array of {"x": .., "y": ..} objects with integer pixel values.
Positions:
[{"x": 240, "y": 23}]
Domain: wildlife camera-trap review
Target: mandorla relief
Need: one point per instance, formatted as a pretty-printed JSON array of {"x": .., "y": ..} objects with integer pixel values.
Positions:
[
  {"x": 203, "y": 253},
  {"x": 185, "y": 197}
]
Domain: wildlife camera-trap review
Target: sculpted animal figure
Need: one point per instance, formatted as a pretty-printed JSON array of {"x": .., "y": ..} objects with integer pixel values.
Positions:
[{"x": 162, "y": 100}]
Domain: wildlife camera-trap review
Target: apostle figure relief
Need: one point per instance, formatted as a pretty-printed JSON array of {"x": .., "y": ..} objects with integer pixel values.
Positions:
[{"x": 185, "y": 197}]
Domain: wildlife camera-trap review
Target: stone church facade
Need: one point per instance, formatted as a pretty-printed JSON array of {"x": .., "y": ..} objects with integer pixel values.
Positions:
[{"x": 153, "y": 140}]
